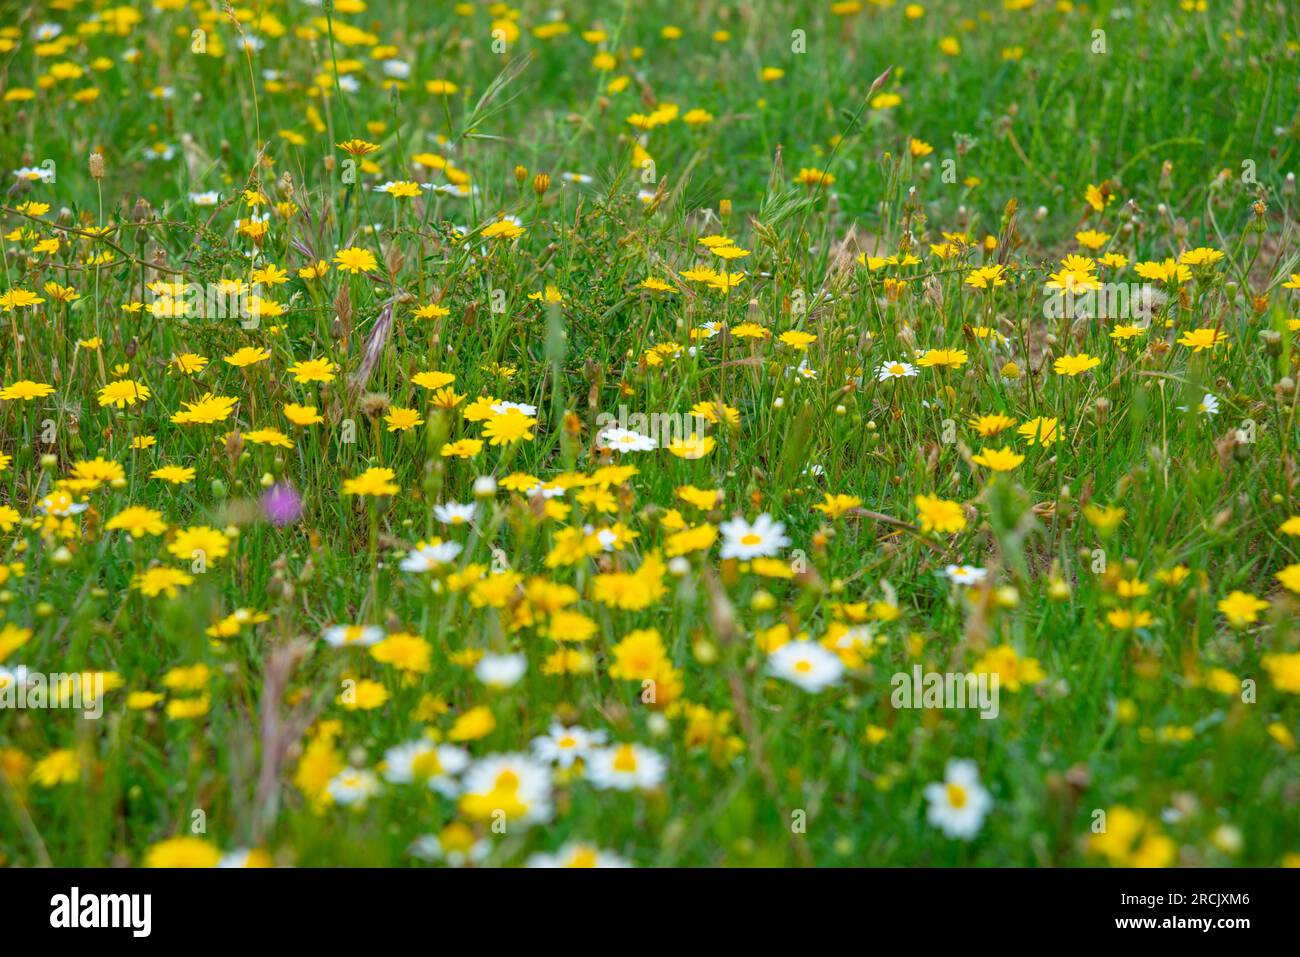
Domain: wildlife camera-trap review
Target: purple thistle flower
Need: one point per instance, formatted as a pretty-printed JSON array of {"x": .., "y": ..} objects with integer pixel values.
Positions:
[{"x": 281, "y": 504}]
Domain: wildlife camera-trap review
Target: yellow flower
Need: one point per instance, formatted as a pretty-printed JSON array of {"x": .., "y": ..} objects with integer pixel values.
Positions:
[
  {"x": 510, "y": 427},
  {"x": 367, "y": 695},
  {"x": 1290, "y": 578},
  {"x": 247, "y": 356},
  {"x": 502, "y": 229},
  {"x": 372, "y": 482},
  {"x": 1241, "y": 608},
  {"x": 159, "y": 581},
  {"x": 1284, "y": 670},
  {"x": 355, "y": 259},
  {"x": 313, "y": 370},
  {"x": 176, "y": 474},
  {"x": 999, "y": 460},
  {"x": 1198, "y": 340},
  {"x": 1041, "y": 431},
  {"x": 137, "y": 521},
  {"x": 474, "y": 724},
  {"x": 951, "y": 358},
  {"x": 122, "y": 393},
  {"x": 464, "y": 449},
  {"x": 939, "y": 515},
  {"x": 836, "y": 505},
  {"x": 58, "y": 767},
  {"x": 987, "y": 277},
  {"x": 25, "y": 390},
  {"x": 302, "y": 414},
  {"x": 399, "y": 420},
  {"x": 1073, "y": 365},
  {"x": 798, "y": 340},
  {"x": 186, "y": 851},
  {"x": 200, "y": 542}
]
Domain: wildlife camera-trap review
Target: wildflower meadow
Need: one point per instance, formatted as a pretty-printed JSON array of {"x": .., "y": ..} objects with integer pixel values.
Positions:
[{"x": 729, "y": 434}]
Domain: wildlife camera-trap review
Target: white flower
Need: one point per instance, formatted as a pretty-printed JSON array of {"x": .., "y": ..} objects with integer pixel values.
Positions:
[
  {"x": 352, "y": 786},
  {"x": 522, "y": 784},
  {"x": 430, "y": 557},
  {"x": 60, "y": 504},
  {"x": 33, "y": 173},
  {"x": 577, "y": 854},
  {"x": 426, "y": 762},
  {"x": 895, "y": 370},
  {"x": 562, "y": 746},
  {"x": 47, "y": 31},
  {"x": 347, "y": 636},
  {"x": 1209, "y": 405},
  {"x": 210, "y": 198},
  {"x": 745, "y": 541},
  {"x": 430, "y": 847},
  {"x": 806, "y": 664},
  {"x": 625, "y": 767},
  {"x": 485, "y": 486},
  {"x": 501, "y": 671},
  {"x": 349, "y": 84},
  {"x": 453, "y": 513},
  {"x": 625, "y": 440},
  {"x": 965, "y": 574},
  {"x": 239, "y": 857},
  {"x": 582, "y": 178},
  {"x": 958, "y": 804},
  {"x": 398, "y": 69},
  {"x": 523, "y": 408}
]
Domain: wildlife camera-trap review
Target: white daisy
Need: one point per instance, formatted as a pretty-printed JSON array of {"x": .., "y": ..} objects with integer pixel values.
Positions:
[
  {"x": 577, "y": 854},
  {"x": 625, "y": 440},
  {"x": 514, "y": 784},
  {"x": 397, "y": 69},
  {"x": 424, "y": 762},
  {"x": 209, "y": 198},
  {"x": 454, "y": 513},
  {"x": 501, "y": 671},
  {"x": 806, "y": 664},
  {"x": 625, "y": 767},
  {"x": 895, "y": 370},
  {"x": 430, "y": 557},
  {"x": 347, "y": 636},
  {"x": 353, "y": 787},
  {"x": 456, "y": 846},
  {"x": 958, "y": 803},
  {"x": 745, "y": 541},
  {"x": 33, "y": 173},
  {"x": 965, "y": 574},
  {"x": 523, "y": 408},
  {"x": 562, "y": 746}
]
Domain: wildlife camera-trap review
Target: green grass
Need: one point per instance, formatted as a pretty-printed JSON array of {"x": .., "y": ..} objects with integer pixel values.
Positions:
[{"x": 1189, "y": 119}]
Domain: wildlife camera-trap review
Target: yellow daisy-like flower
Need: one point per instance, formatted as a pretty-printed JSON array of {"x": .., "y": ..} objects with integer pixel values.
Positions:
[
  {"x": 399, "y": 420},
  {"x": 372, "y": 482},
  {"x": 123, "y": 392},
  {"x": 247, "y": 356},
  {"x": 354, "y": 259},
  {"x": 939, "y": 515},
  {"x": 999, "y": 460},
  {"x": 313, "y": 370}
]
